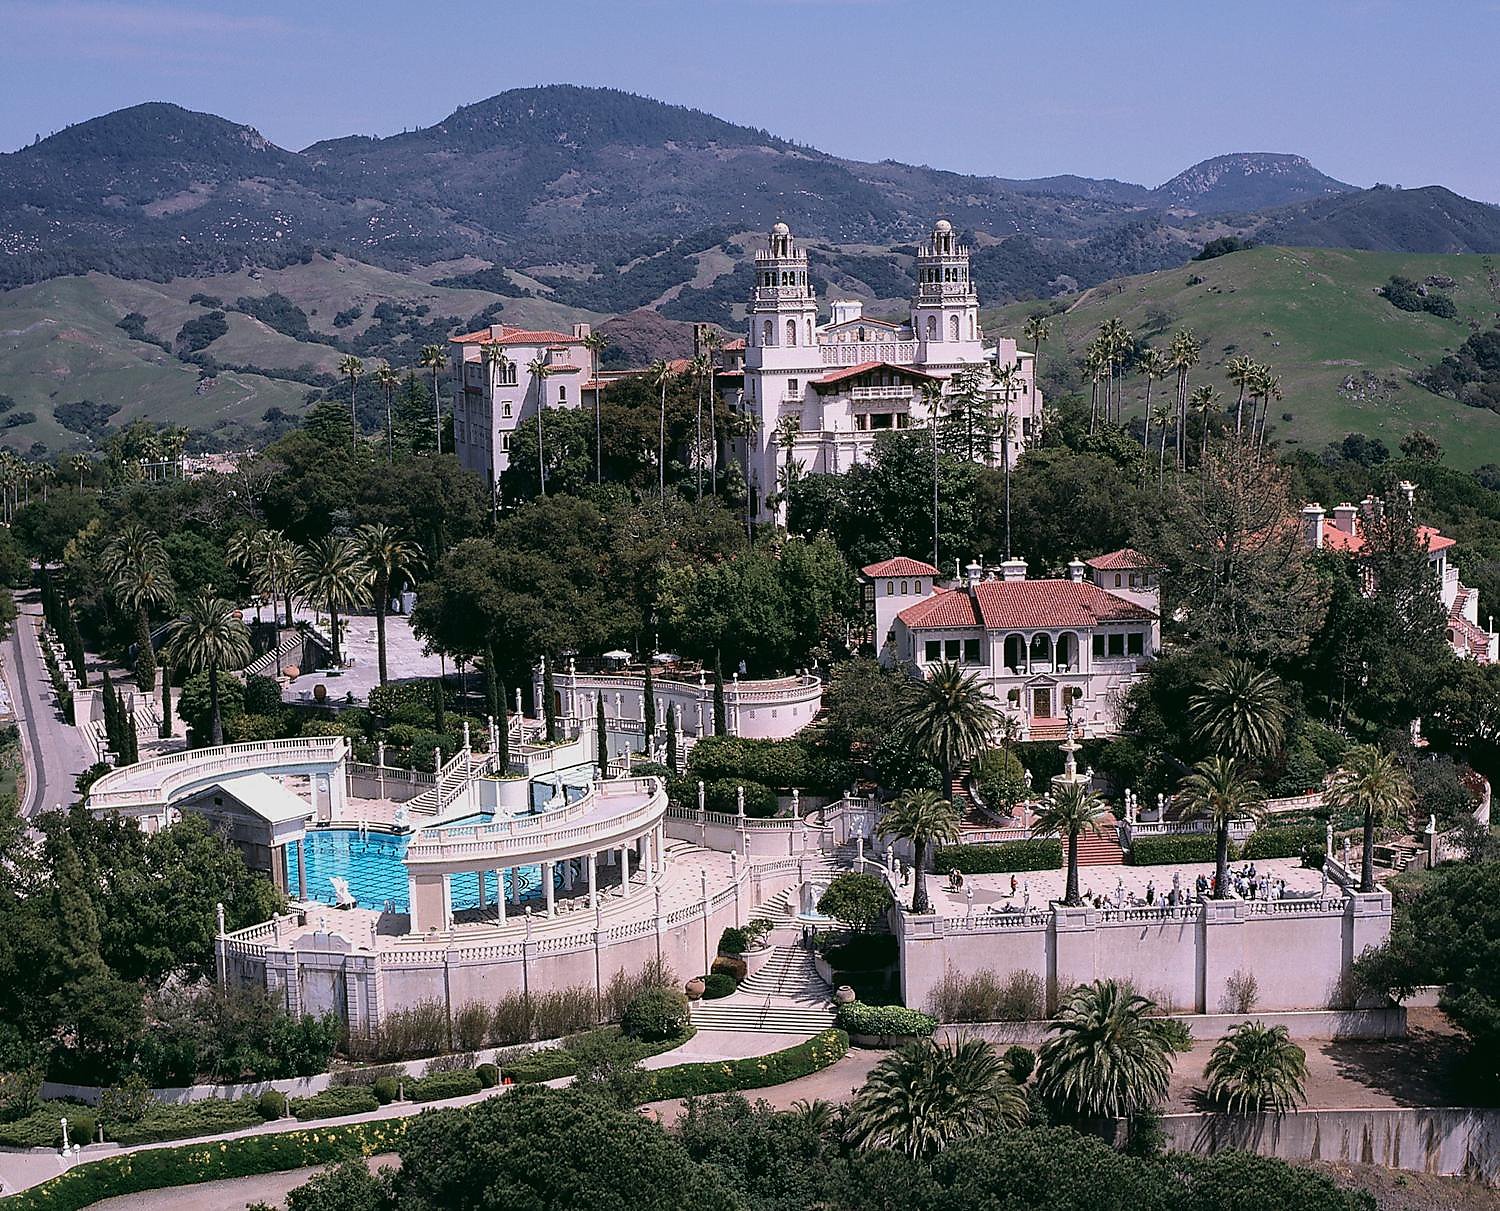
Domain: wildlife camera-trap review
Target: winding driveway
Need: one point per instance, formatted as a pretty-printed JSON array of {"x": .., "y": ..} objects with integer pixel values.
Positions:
[{"x": 56, "y": 753}]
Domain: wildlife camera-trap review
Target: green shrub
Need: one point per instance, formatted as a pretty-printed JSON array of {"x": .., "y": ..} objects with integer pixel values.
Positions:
[
  {"x": 271, "y": 1104},
  {"x": 1039, "y": 854},
  {"x": 757, "y": 1072},
  {"x": 1175, "y": 849},
  {"x": 442, "y": 1085},
  {"x": 723, "y": 796},
  {"x": 733, "y": 941},
  {"x": 718, "y": 984},
  {"x": 1000, "y": 778},
  {"x": 885, "y": 1021},
  {"x": 624, "y": 986},
  {"x": 860, "y": 952},
  {"x": 780, "y": 763},
  {"x": 489, "y": 1075},
  {"x": 855, "y": 899},
  {"x": 1282, "y": 842},
  {"x": 982, "y": 996},
  {"x": 41, "y": 1129},
  {"x": 734, "y": 968},
  {"x": 409, "y": 1033},
  {"x": 471, "y": 1026},
  {"x": 335, "y": 1103},
  {"x": 1021, "y": 1061},
  {"x": 128, "y": 1102},
  {"x": 658, "y": 1013},
  {"x": 385, "y": 1089},
  {"x": 188, "y": 1120}
]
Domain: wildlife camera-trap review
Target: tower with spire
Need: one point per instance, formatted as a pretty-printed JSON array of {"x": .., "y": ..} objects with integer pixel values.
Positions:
[{"x": 945, "y": 306}]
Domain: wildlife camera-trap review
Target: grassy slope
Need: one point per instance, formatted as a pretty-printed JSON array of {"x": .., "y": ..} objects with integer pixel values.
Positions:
[
  {"x": 59, "y": 343},
  {"x": 1311, "y": 313}
]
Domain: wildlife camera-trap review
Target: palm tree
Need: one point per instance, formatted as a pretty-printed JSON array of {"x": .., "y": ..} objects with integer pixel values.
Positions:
[
  {"x": 1109, "y": 1058},
  {"x": 1241, "y": 371},
  {"x": 1204, "y": 399},
  {"x": 388, "y": 380},
  {"x": 434, "y": 358},
  {"x": 351, "y": 367},
  {"x": 1117, "y": 343},
  {"x": 711, "y": 342},
  {"x": 699, "y": 368},
  {"x": 950, "y": 717},
  {"x": 136, "y": 563},
  {"x": 932, "y": 396},
  {"x": 1257, "y": 1069},
  {"x": 595, "y": 343},
  {"x": 1163, "y": 417},
  {"x": 1154, "y": 365},
  {"x": 277, "y": 558},
  {"x": 1216, "y": 791},
  {"x": 390, "y": 559},
  {"x": 1008, "y": 379},
  {"x": 539, "y": 371},
  {"x": 820, "y": 1116},
  {"x": 787, "y": 429},
  {"x": 661, "y": 377},
  {"x": 209, "y": 636},
  {"x": 1036, "y": 329},
  {"x": 929, "y": 1095},
  {"x": 920, "y": 817},
  {"x": 1069, "y": 811},
  {"x": 46, "y": 473},
  {"x": 1183, "y": 356},
  {"x": 1093, "y": 366},
  {"x": 242, "y": 552},
  {"x": 1268, "y": 388},
  {"x": 332, "y": 573},
  {"x": 1371, "y": 783},
  {"x": 1241, "y": 711},
  {"x": 80, "y": 464}
]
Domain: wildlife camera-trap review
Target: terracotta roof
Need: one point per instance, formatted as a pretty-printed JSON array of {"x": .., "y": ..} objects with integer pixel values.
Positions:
[
  {"x": 737, "y": 343},
  {"x": 839, "y": 376},
  {"x": 902, "y": 565},
  {"x": 1335, "y": 539},
  {"x": 1123, "y": 559},
  {"x": 1024, "y": 604},
  {"x": 515, "y": 336}
]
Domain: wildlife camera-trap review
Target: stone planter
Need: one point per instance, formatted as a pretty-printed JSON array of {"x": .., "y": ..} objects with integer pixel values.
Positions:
[
  {"x": 884, "y": 1041},
  {"x": 694, "y": 988},
  {"x": 755, "y": 959}
]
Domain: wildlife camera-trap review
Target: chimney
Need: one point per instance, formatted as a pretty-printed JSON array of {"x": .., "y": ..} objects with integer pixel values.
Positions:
[
  {"x": 1312, "y": 525},
  {"x": 1075, "y": 570},
  {"x": 581, "y": 330},
  {"x": 1373, "y": 509},
  {"x": 1344, "y": 518},
  {"x": 973, "y": 573},
  {"x": 1013, "y": 569},
  {"x": 1408, "y": 492}
]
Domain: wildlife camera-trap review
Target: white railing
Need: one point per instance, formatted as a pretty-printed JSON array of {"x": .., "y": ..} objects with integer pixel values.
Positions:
[
  {"x": 986, "y": 921},
  {"x": 270, "y": 661},
  {"x": 853, "y": 353},
  {"x": 1295, "y": 904},
  {"x": 153, "y": 783},
  {"x": 891, "y": 392}
]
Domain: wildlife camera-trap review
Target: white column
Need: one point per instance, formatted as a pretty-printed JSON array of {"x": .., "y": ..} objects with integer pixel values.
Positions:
[
  {"x": 547, "y": 884},
  {"x": 500, "y": 896},
  {"x": 625, "y": 871},
  {"x": 648, "y": 863},
  {"x": 593, "y": 881}
]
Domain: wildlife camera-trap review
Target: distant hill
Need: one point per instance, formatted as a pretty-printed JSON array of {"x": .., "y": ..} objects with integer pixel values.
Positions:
[
  {"x": 1432, "y": 219},
  {"x": 1344, "y": 354},
  {"x": 1245, "y": 181}
]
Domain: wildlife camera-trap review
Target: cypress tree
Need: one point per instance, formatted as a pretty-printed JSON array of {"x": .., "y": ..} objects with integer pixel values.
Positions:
[
  {"x": 132, "y": 740},
  {"x": 494, "y": 693},
  {"x": 648, "y": 706},
  {"x": 549, "y": 704},
  {"x": 720, "y": 722},
  {"x": 502, "y": 726},
  {"x": 439, "y": 709},
  {"x": 672, "y": 736},
  {"x": 164, "y": 732},
  {"x": 111, "y": 715},
  {"x": 145, "y": 658},
  {"x": 602, "y": 736}
]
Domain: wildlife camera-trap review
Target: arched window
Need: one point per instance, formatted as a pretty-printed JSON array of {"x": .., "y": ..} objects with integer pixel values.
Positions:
[
  {"x": 860, "y": 335},
  {"x": 972, "y": 334},
  {"x": 953, "y": 327},
  {"x": 562, "y": 393},
  {"x": 903, "y": 588},
  {"x": 1015, "y": 653},
  {"x": 791, "y": 332},
  {"x": 1041, "y": 649},
  {"x": 1067, "y": 652},
  {"x": 768, "y": 333},
  {"x": 932, "y": 327},
  {"x": 890, "y": 588}
]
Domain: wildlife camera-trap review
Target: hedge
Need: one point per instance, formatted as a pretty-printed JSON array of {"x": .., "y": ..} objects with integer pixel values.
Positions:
[
  {"x": 783, "y": 763},
  {"x": 212, "y": 1116},
  {"x": 444, "y": 1084},
  {"x": 335, "y": 1103},
  {"x": 1038, "y": 854},
  {"x": 40, "y": 1128},
  {"x": 189, "y": 1164},
  {"x": 885, "y": 1020},
  {"x": 718, "y": 984},
  {"x": 1174, "y": 849},
  {"x": 551, "y": 1063},
  {"x": 756, "y": 1072},
  {"x": 1291, "y": 842}
]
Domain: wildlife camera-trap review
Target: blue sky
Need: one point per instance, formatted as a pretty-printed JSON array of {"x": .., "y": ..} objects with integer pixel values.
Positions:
[{"x": 1402, "y": 91}]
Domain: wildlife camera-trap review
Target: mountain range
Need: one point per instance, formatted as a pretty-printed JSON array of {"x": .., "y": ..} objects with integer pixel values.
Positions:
[{"x": 608, "y": 201}]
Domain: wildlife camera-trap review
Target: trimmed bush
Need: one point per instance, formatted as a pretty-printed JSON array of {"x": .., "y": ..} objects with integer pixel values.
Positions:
[
  {"x": 718, "y": 984},
  {"x": 783, "y": 763},
  {"x": 733, "y": 942},
  {"x": 757, "y": 1072},
  {"x": 41, "y": 1129},
  {"x": 1039, "y": 854},
  {"x": 734, "y": 968},
  {"x": 442, "y": 1085},
  {"x": 335, "y": 1103},
  {"x": 885, "y": 1021},
  {"x": 1021, "y": 1061},
  {"x": 187, "y": 1120},
  {"x": 1291, "y": 842},
  {"x": 489, "y": 1075},
  {"x": 723, "y": 796},
  {"x": 1175, "y": 849},
  {"x": 385, "y": 1089},
  {"x": 657, "y": 1014},
  {"x": 271, "y": 1104}
]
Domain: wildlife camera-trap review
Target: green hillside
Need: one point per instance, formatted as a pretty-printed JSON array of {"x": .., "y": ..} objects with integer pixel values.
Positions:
[
  {"x": 60, "y": 343},
  {"x": 1343, "y": 353}
]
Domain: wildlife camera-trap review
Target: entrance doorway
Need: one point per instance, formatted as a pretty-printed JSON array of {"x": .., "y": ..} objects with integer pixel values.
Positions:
[{"x": 1041, "y": 703}]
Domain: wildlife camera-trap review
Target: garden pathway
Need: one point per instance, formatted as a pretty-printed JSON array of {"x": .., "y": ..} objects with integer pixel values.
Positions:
[{"x": 56, "y": 752}]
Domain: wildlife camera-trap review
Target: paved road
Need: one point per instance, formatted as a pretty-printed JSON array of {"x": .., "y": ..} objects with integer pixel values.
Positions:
[
  {"x": 56, "y": 752},
  {"x": 232, "y": 1194}
]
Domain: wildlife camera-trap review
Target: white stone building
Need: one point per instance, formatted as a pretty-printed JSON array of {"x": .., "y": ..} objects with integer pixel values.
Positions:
[
  {"x": 843, "y": 382},
  {"x": 1036, "y": 644}
]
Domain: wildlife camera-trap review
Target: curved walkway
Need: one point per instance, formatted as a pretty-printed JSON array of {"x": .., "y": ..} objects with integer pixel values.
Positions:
[{"x": 56, "y": 752}]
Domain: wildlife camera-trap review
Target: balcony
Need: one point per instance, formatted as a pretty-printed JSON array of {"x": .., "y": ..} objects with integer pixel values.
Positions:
[
  {"x": 899, "y": 391},
  {"x": 855, "y": 352}
]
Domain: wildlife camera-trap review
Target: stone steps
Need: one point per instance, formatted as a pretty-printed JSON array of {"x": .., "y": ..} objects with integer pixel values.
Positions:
[{"x": 764, "y": 1018}]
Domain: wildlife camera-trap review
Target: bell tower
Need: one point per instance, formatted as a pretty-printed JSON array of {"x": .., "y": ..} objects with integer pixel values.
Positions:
[
  {"x": 945, "y": 308},
  {"x": 783, "y": 311}
]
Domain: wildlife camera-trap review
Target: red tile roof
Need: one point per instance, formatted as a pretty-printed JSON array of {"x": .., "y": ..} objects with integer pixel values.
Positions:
[
  {"x": 737, "y": 343},
  {"x": 1335, "y": 539},
  {"x": 902, "y": 565},
  {"x": 1024, "y": 604},
  {"x": 838, "y": 376},
  {"x": 515, "y": 336},
  {"x": 1126, "y": 558}
]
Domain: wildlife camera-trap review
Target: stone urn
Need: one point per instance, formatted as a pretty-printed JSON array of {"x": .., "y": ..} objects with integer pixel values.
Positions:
[
  {"x": 843, "y": 995},
  {"x": 320, "y": 692},
  {"x": 291, "y": 672},
  {"x": 694, "y": 988}
]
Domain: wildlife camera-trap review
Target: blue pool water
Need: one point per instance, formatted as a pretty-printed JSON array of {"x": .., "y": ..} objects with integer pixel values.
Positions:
[{"x": 372, "y": 864}]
